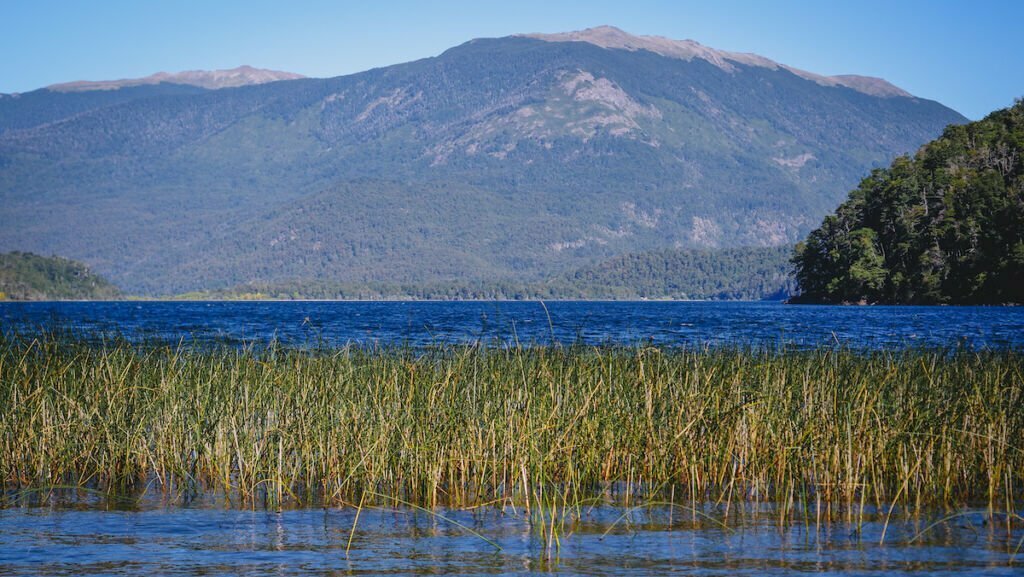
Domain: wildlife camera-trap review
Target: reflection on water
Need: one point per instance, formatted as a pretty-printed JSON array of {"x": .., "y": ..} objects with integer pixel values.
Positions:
[
  {"x": 606, "y": 540},
  {"x": 629, "y": 323}
]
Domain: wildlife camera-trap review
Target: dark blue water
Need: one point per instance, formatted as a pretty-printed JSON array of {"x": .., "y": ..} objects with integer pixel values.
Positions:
[
  {"x": 605, "y": 541},
  {"x": 426, "y": 323}
]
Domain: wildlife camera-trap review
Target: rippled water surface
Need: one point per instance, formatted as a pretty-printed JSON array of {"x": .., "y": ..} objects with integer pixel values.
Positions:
[
  {"x": 420, "y": 323},
  {"x": 607, "y": 541},
  {"x": 90, "y": 539}
]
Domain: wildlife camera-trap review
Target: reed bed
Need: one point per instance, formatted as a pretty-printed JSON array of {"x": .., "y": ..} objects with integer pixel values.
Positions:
[{"x": 538, "y": 427}]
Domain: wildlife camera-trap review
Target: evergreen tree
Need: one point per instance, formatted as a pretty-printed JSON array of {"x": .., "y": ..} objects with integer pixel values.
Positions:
[{"x": 946, "y": 226}]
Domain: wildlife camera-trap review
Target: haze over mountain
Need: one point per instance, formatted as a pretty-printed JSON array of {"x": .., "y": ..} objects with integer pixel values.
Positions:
[
  {"x": 241, "y": 76},
  {"x": 520, "y": 157}
]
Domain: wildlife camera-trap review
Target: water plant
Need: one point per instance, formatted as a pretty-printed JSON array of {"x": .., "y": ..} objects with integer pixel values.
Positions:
[{"x": 820, "y": 434}]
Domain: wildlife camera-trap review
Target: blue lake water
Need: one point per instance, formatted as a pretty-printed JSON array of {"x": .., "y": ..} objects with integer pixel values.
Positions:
[
  {"x": 604, "y": 541},
  {"x": 755, "y": 324},
  {"x": 92, "y": 539}
]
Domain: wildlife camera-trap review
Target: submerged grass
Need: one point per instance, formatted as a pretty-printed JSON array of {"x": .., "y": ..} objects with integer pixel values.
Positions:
[{"x": 824, "y": 432}]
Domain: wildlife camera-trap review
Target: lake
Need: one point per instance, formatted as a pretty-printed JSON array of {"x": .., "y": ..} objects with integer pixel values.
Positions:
[
  {"x": 754, "y": 324},
  {"x": 92, "y": 535},
  {"x": 605, "y": 541}
]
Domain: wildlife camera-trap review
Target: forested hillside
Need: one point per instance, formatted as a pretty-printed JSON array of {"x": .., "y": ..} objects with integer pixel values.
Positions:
[
  {"x": 730, "y": 274},
  {"x": 518, "y": 158},
  {"x": 725, "y": 274},
  {"x": 25, "y": 276},
  {"x": 945, "y": 226}
]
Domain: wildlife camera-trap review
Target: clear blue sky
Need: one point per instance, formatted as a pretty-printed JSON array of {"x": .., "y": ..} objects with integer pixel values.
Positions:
[{"x": 967, "y": 55}]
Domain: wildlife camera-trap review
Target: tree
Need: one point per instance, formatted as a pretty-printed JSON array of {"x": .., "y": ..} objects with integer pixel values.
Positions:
[{"x": 946, "y": 226}]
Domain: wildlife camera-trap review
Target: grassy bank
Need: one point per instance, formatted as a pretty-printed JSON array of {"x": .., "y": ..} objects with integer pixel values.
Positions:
[{"x": 468, "y": 426}]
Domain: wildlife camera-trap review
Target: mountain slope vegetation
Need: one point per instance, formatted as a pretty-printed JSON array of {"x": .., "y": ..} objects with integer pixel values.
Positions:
[
  {"x": 694, "y": 274},
  {"x": 945, "y": 226},
  {"x": 26, "y": 276},
  {"x": 501, "y": 158}
]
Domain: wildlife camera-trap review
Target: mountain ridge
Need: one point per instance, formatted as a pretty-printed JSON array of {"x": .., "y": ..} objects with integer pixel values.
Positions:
[
  {"x": 605, "y": 36},
  {"x": 614, "y": 38},
  {"x": 244, "y": 75}
]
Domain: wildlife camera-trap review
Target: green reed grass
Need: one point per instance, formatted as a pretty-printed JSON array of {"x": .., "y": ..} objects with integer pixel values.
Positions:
[{"x": 542, "y": 429}]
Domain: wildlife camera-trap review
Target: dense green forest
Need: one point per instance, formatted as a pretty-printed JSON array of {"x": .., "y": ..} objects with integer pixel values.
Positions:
[
  {"x": 725, "y": 274},
  {"x": 943, "y": 227},
  {"x": 26, "y": 276}
]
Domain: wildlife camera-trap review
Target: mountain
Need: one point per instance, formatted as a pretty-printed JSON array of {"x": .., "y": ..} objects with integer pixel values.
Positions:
[
  {"x": 25, "y": 276},
  {"x": 518, "y": 157},
  {"x": 212, "y": 79},
  {"x": 945, "y": 226}
]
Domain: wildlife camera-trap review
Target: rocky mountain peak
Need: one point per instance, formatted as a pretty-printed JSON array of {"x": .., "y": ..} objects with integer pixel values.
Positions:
[{"x": 614, "y": 38}]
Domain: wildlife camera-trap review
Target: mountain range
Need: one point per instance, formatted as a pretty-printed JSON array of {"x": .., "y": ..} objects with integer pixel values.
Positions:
[{"x": 521, "y": 157}]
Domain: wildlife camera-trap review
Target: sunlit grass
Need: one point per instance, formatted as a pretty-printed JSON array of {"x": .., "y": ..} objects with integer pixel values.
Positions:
[{"x": 542, "y": 429}]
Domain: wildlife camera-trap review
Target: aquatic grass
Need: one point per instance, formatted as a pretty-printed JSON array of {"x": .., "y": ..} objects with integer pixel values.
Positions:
[{"x": 821, "y": 435}]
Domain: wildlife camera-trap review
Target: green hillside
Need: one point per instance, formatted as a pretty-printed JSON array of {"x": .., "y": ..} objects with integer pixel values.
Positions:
[
  {"x": 26, "y": 276},
  {"x": 725, "y": 274},
  {"x": 945, "y": 226}
]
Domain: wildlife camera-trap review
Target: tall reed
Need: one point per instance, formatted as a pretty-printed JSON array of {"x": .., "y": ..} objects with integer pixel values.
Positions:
[{"x": 529, "y": 427}]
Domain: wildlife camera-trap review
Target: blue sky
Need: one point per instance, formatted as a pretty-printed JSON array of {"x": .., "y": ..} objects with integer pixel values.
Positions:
[{"x": 967, "y": 55}]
